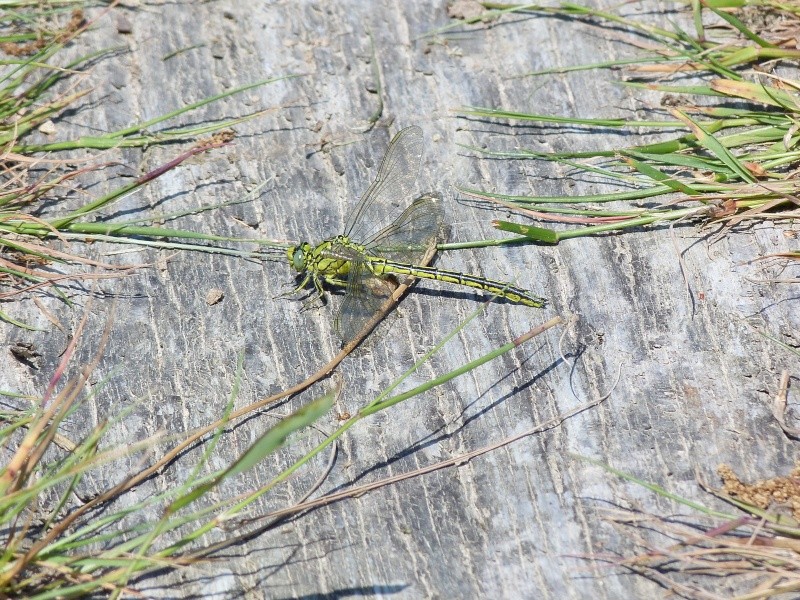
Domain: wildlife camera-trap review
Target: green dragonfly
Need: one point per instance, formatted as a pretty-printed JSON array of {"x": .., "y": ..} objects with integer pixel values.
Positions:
[{"x": 368, "y": 254}]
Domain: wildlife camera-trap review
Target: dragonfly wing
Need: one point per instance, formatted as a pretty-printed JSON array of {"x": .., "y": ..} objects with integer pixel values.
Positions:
[
  {"x": 393, "y": 184},
  {"x": 364, "y": 297},
  {"x": 413, "y": 233}
]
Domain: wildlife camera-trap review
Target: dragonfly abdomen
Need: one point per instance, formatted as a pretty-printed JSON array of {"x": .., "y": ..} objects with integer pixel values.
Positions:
[{"x": 380, "y": 266}]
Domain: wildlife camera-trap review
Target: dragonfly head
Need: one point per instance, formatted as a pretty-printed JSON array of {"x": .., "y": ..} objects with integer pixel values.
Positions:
[{"x": 298, "y": 256}]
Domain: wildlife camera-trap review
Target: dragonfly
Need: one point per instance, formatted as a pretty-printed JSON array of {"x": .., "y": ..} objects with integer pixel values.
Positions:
[{"x": 368, "y": 257}]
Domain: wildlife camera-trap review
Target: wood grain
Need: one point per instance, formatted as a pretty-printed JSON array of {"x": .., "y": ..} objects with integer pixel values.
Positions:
[{"x": 696, "y": 378}]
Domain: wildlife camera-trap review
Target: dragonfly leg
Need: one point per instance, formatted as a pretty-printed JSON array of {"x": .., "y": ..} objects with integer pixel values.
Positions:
[
  {"x": 319, "y": 288},
  {"x": 336, "y": 281},
  {"x": 295, "y": 289},
  {"x": 302, "y": 287},
  {"x": 304, "y": 283},
  {"x": 318, "y": 294}
]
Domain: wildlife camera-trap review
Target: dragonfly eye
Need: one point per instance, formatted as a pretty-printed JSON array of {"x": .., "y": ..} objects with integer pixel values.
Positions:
[{"x": 297, "y": 257}]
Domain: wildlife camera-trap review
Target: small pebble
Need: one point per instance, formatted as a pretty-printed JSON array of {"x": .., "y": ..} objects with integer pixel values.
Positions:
[
  {"x": 124, "y": 26},
  {"x": 214, "y": 296}
]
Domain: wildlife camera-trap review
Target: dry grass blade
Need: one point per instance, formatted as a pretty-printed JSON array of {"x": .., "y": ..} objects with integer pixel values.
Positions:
[
  {"x": 757, "y": 555},
  {"x": 752, "y": 561}
]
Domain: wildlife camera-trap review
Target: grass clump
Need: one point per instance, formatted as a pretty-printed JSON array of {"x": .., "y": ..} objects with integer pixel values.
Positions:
[
  {"x": 728, "y": 85},
  {"x": 737, "y": 158},
  {"x": 36, "y": 88},
  {"x": 751, "y": 557},
  {"x": 59, "y": 543}
]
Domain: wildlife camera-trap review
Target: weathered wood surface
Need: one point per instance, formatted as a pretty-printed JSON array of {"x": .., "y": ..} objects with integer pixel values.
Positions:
[{"x": 695, "y": 379}]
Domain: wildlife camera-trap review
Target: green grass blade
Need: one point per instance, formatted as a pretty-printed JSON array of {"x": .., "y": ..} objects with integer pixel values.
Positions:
[
  {"x": 534, "y": 234},
  {"x": 595, "y": 198},
  {"x": 600, "y": 65},
  {"x": 480, "y": 111},
  {"x": 10, "y": 320},
  {"x": 656, "y": 489},
  {"x": 437, "y": 381},
  {"x": 195, "y": 105},
  {"x": 273, "y": 439},
  {"x": 656, "y": 175},
  {"x": 755, "y": 92},
  {"x": 740, "y": 27},
  {"x": 712, "y": 144}
]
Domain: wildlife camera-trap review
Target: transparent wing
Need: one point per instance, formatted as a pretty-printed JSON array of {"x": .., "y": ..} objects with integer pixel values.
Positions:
[
  {"x": 413, "y": 233},
  {"x": 364, "y": 297},
  {"x": 394, "y": 183}
]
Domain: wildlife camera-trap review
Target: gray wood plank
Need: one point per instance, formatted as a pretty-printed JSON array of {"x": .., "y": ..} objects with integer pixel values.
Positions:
[{"x": 696, "y": 379}]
